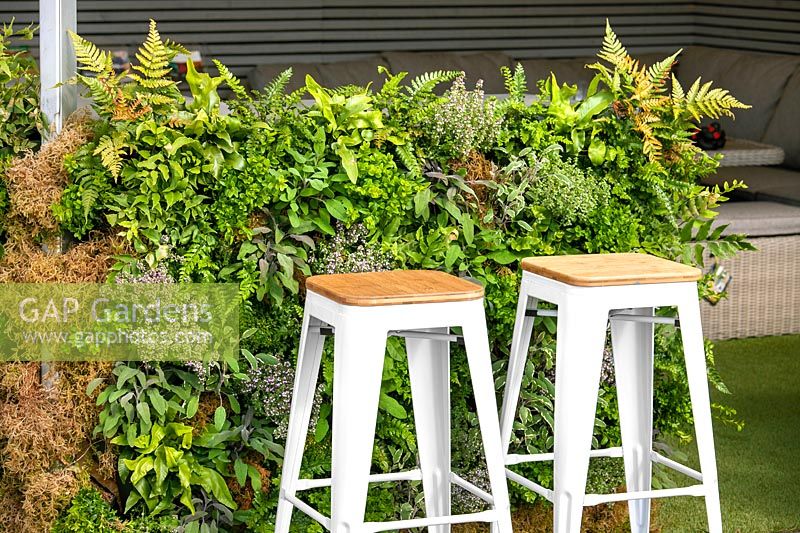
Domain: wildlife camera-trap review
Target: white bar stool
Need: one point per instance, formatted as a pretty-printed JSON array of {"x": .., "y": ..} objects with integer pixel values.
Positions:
[
  {"x": 589, "y": 290},
  {"x": 362, "y": 310}
]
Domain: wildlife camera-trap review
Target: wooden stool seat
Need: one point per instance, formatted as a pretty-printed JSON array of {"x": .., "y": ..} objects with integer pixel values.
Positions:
[
  {"x": 602, "y": 270},
  {"x": 394, "y": 287}
]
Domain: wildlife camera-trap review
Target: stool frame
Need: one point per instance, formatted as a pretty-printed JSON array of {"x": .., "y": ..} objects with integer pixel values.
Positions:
[
  {"x": 359, "y": 350},
  {"x": 583, "y": 316}
]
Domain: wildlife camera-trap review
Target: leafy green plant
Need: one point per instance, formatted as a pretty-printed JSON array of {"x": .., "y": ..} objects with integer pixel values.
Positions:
[
  {"x": 641, "y": 95},
  {"x": 464, "y": 121},
  {"x": 350, "y": 121},
  {"x": 165, "y": 453},
  {"x": 161, "y": 456},
  {"x": 358, "y": 180},
  {"x": 21, "y": 122},
  {"x": 89, "y": 512}
]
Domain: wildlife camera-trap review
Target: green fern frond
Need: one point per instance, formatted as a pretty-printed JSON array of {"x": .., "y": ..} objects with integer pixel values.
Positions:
[
  {"x": 176, "y": 48},
  {"x": 154, "y": 58},
  {"x": 612, "y": 50},
  {"x": 276, "y": 87},
  {"x": 89, "y": 198},
  {"x": 705, "y": 101},
  {"x": 516, "y": 83},
  {"x": 406, "y": 155},
  {"x": 111, "y": 149},
  {"x": 392, "y": 84},
  {"x": 508, "y": 79},
  {"x": 348, "y": 90},
  {"x": 102, "y": 93},
  {"x": 678, "y": 94},
  {"x": 155, "y": 99},
  {"x": 90, "y": 57},
  {"x": 653, "y": 102},
  {"x": 659, "y": 73},
  {"x": 232, "y": 81},
  {"x": 425, "y": 83}
]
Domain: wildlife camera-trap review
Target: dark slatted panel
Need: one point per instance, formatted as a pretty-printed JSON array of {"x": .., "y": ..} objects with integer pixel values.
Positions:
[
  {"x": 243, "y": 33},
  {"x": 763, "y": 26}
]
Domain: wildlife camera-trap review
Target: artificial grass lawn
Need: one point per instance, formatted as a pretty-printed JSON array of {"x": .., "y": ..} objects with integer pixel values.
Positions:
[{"x": 759, "y": 467}]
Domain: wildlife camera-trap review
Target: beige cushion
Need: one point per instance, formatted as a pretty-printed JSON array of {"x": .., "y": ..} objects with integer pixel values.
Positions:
[
  {"x": 764, "y": 183},
  {"x": 357, "y": 72},
  {"x": 485, "y": 66},
  {"x": 755, "y": 79},
  {"x": 264, "y": 74},
  {"x": 569, "y": 71},
  {"x": 784, "y": 128},
  {"x": 759, "y": 219}
]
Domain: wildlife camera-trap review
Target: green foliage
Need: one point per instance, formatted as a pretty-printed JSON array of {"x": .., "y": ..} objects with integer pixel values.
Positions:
[
  {"x": 350, "y": 121},
  {"x": 642, "y": 95},
  {"x": 462, "y": 122},
  {"x": 363, "y": 180},
  {"x": 21, "y": 122},
  {"x": 156, "y": 159},
  {"x": 146, "y": 414},
  {"x": 88, "y": 512}
]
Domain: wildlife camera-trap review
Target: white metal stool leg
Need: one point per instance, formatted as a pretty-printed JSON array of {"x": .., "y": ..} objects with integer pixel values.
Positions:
[
  {"x": 429, "y": 370},
  {"x": 308, "y": 361},
  {"x": 632, "y": 344},
  {"x": 476, "y": 341},
  {"x": 580, "y": 339},
  {"x": 520, "y": 344},
  {"x": 358, "y": 368},
  {"x": 694, "y": 351}
]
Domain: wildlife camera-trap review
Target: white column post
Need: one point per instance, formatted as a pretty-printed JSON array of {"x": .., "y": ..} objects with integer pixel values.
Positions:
[
  {"x": 57, "y": 60},
  {"x": 56, "y": 65}
]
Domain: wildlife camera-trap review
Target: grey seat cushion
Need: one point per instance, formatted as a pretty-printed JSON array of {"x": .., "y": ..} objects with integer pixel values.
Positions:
[
  {"x": 784, "y": 128},
  {"x": 755, "y": 79},
  {"x": 650, "y": 58},
  {"x": 786, "y": 194},
  {"x": 356, "y": 72},
  {"x": 264, "y": 74},
  {"x": 764, "y": 183},
  {"x": 485, "y": 66},
  {"x": 759, "y": 219}
]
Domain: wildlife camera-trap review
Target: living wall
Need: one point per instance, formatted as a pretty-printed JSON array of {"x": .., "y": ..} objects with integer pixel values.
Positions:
[{"x": 423, "y": 173}]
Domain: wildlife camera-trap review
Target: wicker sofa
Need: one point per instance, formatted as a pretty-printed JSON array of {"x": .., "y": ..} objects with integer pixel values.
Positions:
[{"x": 764, "y": 295}]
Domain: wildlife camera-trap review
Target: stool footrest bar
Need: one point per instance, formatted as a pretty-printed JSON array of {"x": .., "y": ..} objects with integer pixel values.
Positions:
[
  {"x": 310, "y": 511},
  {"x": 669, "y": 463},
  {"x": 670, "y": 320},
  {"x": 530, "y": 485},
  {"x": 515, "y": 459},
  {"x": 408, "y": 475},
  {"x": 327, "y": 331},
  {"x": 483, "y": 516},
  {"x": 596, "y": 499},
  {"x": 541, "y": 312},
  {"x": 471, "y": 488},
  {"x": 324, "y": 521}
]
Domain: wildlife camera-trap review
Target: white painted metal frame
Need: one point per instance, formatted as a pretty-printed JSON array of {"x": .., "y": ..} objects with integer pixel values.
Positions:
[
  {"x": 57, "y": 60},
  {"x": 359, "y": 349},
  {"x": 584, "y": 314}
]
